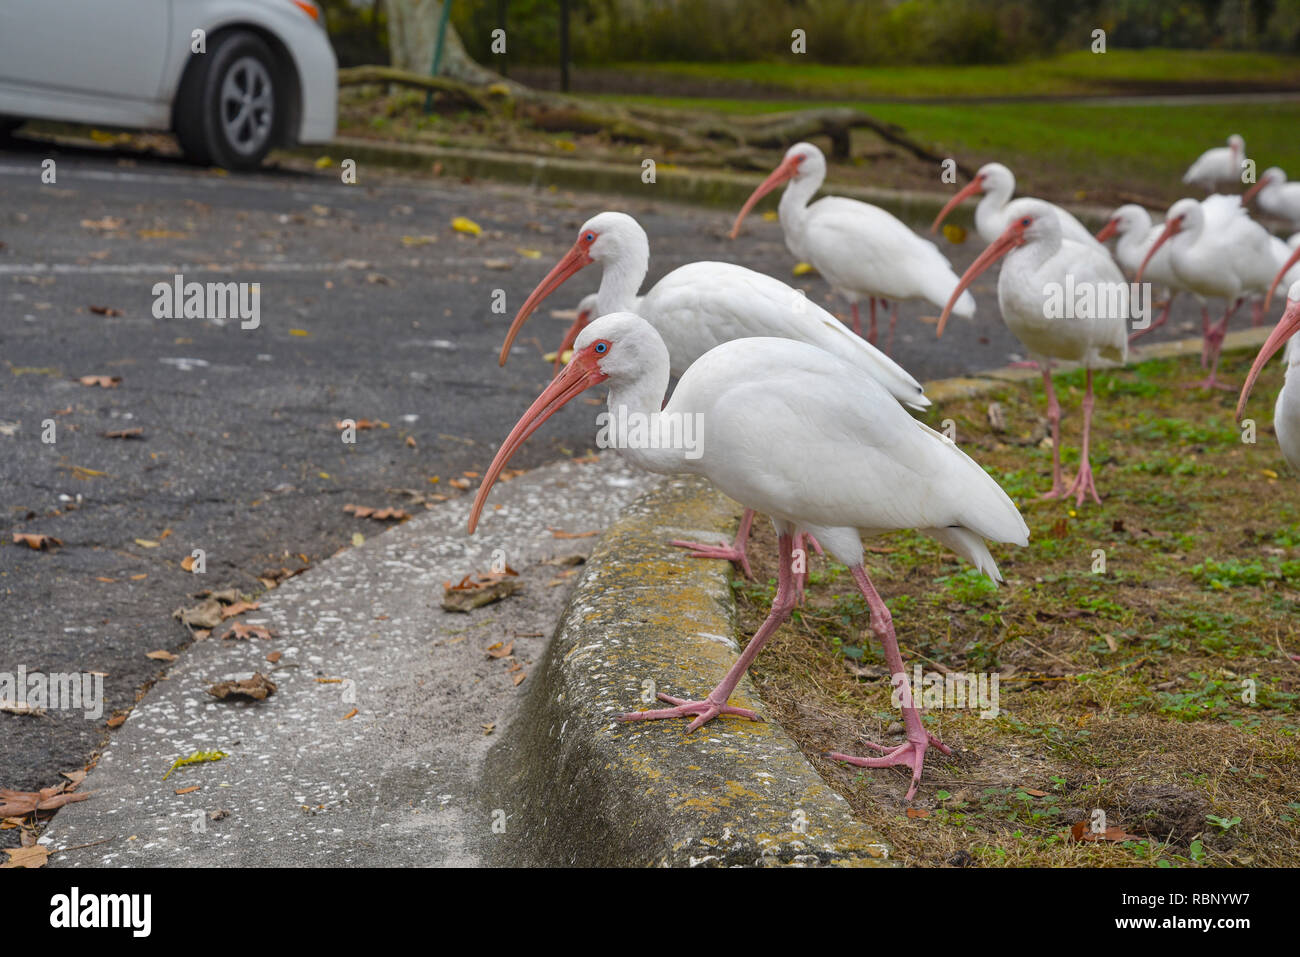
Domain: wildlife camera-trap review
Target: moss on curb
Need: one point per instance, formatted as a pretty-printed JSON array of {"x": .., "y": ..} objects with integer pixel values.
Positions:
[{"x": 578, "y": 787}]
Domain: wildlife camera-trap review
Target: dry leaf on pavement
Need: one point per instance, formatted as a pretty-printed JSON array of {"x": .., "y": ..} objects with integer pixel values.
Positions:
[
  {"x": 257, "y": 687},
  {"x": 35, "y": 540}
]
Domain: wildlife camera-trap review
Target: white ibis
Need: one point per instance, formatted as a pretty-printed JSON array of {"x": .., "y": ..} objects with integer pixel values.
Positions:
[
  {"x": 1286, "y": 411},
  {"x": 1132, "y": 224},
  {"x": 1276, "y": 196},
  {"x": 1044, "y": 274},
  {"x": 997, "y": 210},
  {"x": 807, "y": 438},
  {"x": 700, "y": 305},
  {"x": 1229, "y": 258},
  {"x": 861, "y": 250},
  {"x": 1220, "y": 165}
]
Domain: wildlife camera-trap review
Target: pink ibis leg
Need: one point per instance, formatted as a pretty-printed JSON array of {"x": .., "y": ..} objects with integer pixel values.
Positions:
[
  {"x": 567, "y": 344},
  {"x": 893, "y": 321},
  {"x": 1214, "y": 336},
  {"x": 1257, "y": 312},
  {"x": 871, "y": 327},
  {"x": 734, "y": 553},
  {"x": 1160, "y": 320},
  {"x": 1084, "y": 484},
  {"x": 1054, "y": 418},
  {"x": 800, "y": 555},
  {"x": 1205, "y": 336},
  {"x": 912, "y": 752},
  {"x": 857, "y": 319},
  {"x": 716, "y": 702}
]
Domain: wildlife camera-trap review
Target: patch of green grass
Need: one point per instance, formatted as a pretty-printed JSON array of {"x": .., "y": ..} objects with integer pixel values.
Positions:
[{"x": 1075, "y": 73}]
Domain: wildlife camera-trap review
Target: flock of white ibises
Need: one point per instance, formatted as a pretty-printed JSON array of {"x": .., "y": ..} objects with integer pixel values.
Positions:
[{"x": 805, "y": 420}]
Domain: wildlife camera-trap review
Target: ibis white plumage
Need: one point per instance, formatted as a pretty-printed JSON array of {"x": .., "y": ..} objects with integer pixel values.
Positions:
[
  {"x": 1286, "y": 411},
  {"x": 1276, "y": 196},
  {"x": 861, "y": 250},
  {"x": 1132, "y": 224},
  {"x": 997, "y": 210},
  {"x": 1218, "y": 166},
  {"x": 1042, "y": 272},
  {"x": 701, "y": 305},
  {"x": 1217, "y": 252},
  {"x": 807, "y": 438}
]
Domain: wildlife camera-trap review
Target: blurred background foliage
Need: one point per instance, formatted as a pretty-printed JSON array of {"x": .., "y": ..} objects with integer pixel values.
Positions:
[{"x": 863, "y": 32}]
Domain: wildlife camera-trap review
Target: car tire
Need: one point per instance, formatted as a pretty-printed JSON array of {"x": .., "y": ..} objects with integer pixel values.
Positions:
[
  {"x": 10, "y": 123},
  {"x": 229, "y": 107}
]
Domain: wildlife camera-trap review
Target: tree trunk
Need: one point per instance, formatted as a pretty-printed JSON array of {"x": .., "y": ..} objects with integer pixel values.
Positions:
[{"x": 412, "y": 33}]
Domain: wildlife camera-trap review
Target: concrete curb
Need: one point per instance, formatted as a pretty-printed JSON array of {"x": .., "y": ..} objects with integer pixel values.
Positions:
[
  {"x": 673, "y": 183},
  {"x": 579, "y": 788}
]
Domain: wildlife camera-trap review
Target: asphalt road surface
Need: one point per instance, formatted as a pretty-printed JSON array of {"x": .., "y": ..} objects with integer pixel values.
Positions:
[{"x": 371, "y": 307}]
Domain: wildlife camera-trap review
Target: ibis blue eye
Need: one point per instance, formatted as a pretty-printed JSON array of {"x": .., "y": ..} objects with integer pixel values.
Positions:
[
  {"x": 590, "y": 237},
  {"x": 601, "y": 347},
  {"x": 1026, "y": 221}
]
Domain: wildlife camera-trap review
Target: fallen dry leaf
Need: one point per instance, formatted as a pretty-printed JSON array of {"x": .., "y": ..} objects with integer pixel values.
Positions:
[
  {"x": 103, "y": 381},
  {"x": 378, "y": 514},
  {"x": 274, "y": 657},
  {"x": 500, "y": 651},
  {"x": 23, "y": 803},
  {"x": 257, "y": 687},
  {"x": 238, "y": 608},
  {"x": 207, "y": 614},
  {"x": 1081, "y": 831},
  {"x": 466, "y": 596},
  {"x": 351, "y": 714},
  {"x": 915, "y": 812},
  {"x": 116, "y": 721},
  {"x": 519, "y": 678},
  {"x": 137, "y": 432},
  {"x": 162, "y": 656},
  {"x": 187, "y": 563},
  {"x": 32, "y": 857},
  {"x": 244, "y": 632},
  {"x": 189, "y": 790},
  {"x": 560, "y": 533},
  {"x": 35, "y": 540},
  {"x": 105, "y": 311}
]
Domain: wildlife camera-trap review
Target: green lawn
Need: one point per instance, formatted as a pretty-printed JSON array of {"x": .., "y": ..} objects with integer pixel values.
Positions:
[
  {"x": 1059, "y": 149},
  {"x": 1078, "y": 73}
]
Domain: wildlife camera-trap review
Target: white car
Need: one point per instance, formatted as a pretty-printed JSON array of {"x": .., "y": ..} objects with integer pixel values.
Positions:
[{"x": 231, "y": 78}]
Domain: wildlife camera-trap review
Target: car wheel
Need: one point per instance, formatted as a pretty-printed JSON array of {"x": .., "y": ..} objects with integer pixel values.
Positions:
[
  {"x": 9, "y": 123},
  {"x": 228, "y": 108}
]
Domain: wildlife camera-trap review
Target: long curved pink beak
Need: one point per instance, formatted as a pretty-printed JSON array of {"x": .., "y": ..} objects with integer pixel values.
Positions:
[
  {"x": 970, "y": 189},
  {"x": 782, "y": 174},
  {"x": 1171, "y": 229},
  {"x": 1012, "y": 236},
  {"x": 1107, "y": 231},
  {"x": 571, "y": 262},
  {"x": 1286, "y": 327},
  {"x": 1291, "y": 261},
  {"x": 1250, "y": 193},
  {"x": 580, "y": 374}
]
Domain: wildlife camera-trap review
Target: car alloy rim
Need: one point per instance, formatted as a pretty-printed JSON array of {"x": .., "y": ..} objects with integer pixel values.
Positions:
[{"x": 247, "y": 105}]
